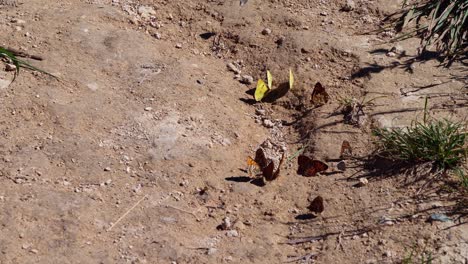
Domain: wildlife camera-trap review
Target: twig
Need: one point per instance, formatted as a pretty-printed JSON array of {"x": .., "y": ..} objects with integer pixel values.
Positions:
[
  {"x": 306, "y": 239},
  {"x": 179, "y": 209},
  {"x": 340, "y": 244},
  {"x": 126, "y": 213},
  {"x": 304, "y": 258}
]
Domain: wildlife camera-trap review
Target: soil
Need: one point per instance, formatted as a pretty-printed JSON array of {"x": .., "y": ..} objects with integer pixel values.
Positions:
[{"x": 137, "y": 152}]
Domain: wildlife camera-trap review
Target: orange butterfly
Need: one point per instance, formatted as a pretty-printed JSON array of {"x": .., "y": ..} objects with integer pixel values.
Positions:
[
  {"x": 319, "y": 95},
  {"x": 309, "y": 167},
  {"x": 346, "y": 150},
  {"x": 316, "y": 205}
]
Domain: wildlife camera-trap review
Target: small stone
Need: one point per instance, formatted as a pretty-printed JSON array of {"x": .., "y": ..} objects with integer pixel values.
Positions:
[
  {"x": 10, "y": 67},
  {"x": 34, "y": 251},
  {"x": 211, "y": 251},
  {"x": 201, "y": 82},
  {"x": 341, "y": 165},
  {"x": 108, "y": 182},
  {"x": 391, "y": 54},
  {"x": 146, "y": 11},
  {"x": 226, "y": 225},
  {"x": 266, "y": 31},
  {"x": 280, "y": 40},
  {"x": 247, "y": 79},
  {"x": 18, "y": 21},
  {"x": 260, "y": 112},
  {"x": 149, "y": 108},
  {"x": 349, "y": 6},
  {"x": 232, "y": 233},
  {"x": 397, "y": 49},
  {"x": 156, "y": 35},
  {"x": 233, "y": 68},
  {"x": 362, "y": 182},
  {"x": 178, "y": 45},
  {"x": 107, "y": 169},
  {"x": 388, "y": 254},
  {"x": 268, "y": 123},
  {"x": 323, "y": 13}
]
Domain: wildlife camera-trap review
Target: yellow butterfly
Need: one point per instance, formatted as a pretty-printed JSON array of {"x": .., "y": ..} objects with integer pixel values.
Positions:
[
  {"x": 291, "y": 79},
  {"x": 263, "y": 89}
]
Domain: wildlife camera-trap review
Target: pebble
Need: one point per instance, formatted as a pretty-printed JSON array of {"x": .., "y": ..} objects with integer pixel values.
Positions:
[
  {"x": 341, "y": 165},
  {"x": 397, "y": 49},
  {"x": 178, "y": 45},
  {"x": 107, "y": 169},
  {"x": 146, "y": 11},
  {"x": 391, "y": 54},
  {"x": 211, "y": 251},
  {"x": 232, "y": 233},
  {"x": 10, "y": 67},
  {"x": 268, "y": 123},
  {"x": 247, "y": 79},
  {"x": 34, "y": 251},
  {"x": 226, "y": 225},
  {"x": 260, "y": 112},
  {"x": 266, "y": 31},
  {"x": 233, "y": 68},
  {"x": 349, "y": 6},
  {"x": 149, "y": 108},
  {"x": 18, "y": 21},
  {"x": 323, "y": 13},
  {"x": 156, "y": 35},
  {"x": 362, "y": 182}
]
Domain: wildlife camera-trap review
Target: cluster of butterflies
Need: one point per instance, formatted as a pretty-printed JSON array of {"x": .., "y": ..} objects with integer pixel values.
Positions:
[
  {"x": 307, "y": 167},
  {"x": 319, "y": 95},
  {"x": 263, "y": 89}
]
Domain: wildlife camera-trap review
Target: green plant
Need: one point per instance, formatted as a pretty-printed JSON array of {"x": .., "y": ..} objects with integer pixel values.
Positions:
[
  {"x": 443, "y": 23},
  {"x": 423, "y": 258},
  {"x": 442, "y": 142},
  {"x": 13, "y": 58}
]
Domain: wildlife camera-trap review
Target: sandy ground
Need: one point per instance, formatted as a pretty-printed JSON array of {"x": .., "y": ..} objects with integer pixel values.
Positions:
[{"x": 137, "y": 154}]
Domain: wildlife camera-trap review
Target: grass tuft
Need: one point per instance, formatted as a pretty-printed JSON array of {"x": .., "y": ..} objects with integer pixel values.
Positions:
[
  {"x": 13, "y": 58},
  {"x": 443, "y": 23},
  {"x": 441, "y": 142}
]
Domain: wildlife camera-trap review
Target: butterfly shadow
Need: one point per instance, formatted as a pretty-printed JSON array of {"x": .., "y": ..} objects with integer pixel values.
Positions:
[
  {"x": 277, "y": 93},
  {"x": 305, "y": 217},
  {"x": 257, "y": 181}
]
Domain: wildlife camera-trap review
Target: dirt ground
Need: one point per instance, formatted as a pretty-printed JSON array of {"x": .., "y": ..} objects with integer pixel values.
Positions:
[{"x": 137, "y": 154}]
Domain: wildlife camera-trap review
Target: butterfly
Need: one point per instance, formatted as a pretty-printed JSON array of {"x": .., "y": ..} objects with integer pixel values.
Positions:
[
  {"x": 309, "y": 167},
  {"x": 346, "y": 150},
  {"x": 319, "y": 95},
  {"x": 291, "y": 79},
  {"x": 316, "y": 206},
  {"x": 268, "y": 172},
  {"x": 263, "y": 89},
  {"x": 252, "y": 166}
]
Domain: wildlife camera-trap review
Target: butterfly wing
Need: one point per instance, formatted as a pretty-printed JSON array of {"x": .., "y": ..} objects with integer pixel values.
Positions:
[
  {"x": 274, "y": 175},
  {"x": 291, "y": 79},
  {"x": 316, "y": 205},
  {"x": 252, "y": 166},
  {"x": 309, "y": 167},
  {"x": 260, "y": 158},
  {"x": 268, "y": 171},
  {"x": 269, "y": 80},
  {"x": 304, "y": 164},
  {"x": 346, "y": 150},
  {"x": 319, "y": 95},
  {"x": 261, "y": 90}
]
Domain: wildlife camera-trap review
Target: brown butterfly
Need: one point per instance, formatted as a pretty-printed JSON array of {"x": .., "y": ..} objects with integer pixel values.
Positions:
[
  {"x": 260, "y": 158},
  {"x": 316, "y": 206},
  {"x": 319, "y": 95},
  {"x": 346, "y": 150},
  {"x": 309, "y": 167},
  {"x": 268, "y": 172}
]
